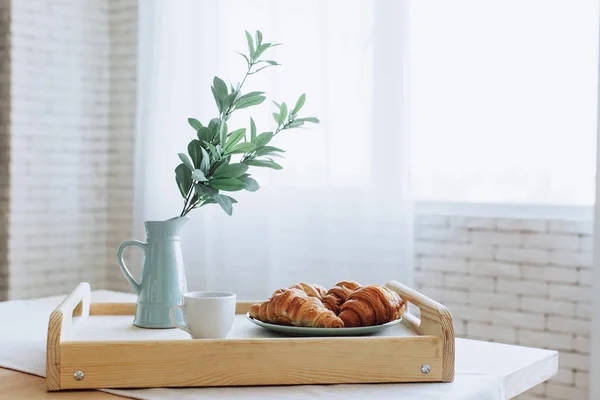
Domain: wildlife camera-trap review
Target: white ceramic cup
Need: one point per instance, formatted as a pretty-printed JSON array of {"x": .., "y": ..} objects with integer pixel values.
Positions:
[{"x": 207, "y": 315}]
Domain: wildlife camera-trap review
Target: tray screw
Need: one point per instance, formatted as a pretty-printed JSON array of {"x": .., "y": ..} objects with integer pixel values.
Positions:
[
  {"x": 425, "y": 368},
  {"x": 78, "y": 375}
]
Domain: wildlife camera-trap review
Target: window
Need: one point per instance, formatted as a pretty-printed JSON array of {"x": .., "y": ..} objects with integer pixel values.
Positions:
[{"x": 503, "y": 100}]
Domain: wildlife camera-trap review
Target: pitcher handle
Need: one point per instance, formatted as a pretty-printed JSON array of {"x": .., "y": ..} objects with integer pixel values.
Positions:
[{"x": 136, "y": 286}]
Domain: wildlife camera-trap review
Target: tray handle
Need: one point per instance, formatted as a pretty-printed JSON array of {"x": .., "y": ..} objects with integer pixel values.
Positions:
[
  {"x": 435, "y": 320},
  {"x": 60, "y": 328}
]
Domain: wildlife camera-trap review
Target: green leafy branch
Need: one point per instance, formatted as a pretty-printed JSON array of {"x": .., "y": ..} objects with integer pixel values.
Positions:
[{"x": 207, "y": 169}]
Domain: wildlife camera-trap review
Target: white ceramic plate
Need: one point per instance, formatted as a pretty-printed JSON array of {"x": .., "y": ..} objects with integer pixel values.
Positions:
[{"x": 304, "y": 331}]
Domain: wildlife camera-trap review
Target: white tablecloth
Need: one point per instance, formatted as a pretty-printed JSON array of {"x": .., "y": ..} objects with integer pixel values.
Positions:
[{"x": 23, "y": 348}]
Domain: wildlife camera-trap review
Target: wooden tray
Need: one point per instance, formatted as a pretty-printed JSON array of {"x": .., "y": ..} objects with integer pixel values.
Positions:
[{"x": 95, "y": 345}]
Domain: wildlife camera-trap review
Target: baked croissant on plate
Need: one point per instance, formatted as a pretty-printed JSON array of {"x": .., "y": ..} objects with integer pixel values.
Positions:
[
  {"x": 371, "y": 305},
  {"x": 295, "y": 307},
  {"x": 311, "y": 289},
  {"x": 338, "y": 294}
]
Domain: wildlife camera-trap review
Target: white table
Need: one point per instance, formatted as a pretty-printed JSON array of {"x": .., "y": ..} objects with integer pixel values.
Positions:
[{"x": 483, "y": 370}]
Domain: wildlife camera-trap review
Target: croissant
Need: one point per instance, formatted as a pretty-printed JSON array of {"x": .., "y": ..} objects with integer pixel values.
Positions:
[
  {"x": 312, "y": 290},
  {"x": 371, "y": 305},
  {"x": 338, "y": 294},
  {"x": 295, "y": 307}
]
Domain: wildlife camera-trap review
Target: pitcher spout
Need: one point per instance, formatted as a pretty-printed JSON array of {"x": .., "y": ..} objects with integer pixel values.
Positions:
[
  {"x": 168, "y": 228},
  {"x": 178, "y": 222}
]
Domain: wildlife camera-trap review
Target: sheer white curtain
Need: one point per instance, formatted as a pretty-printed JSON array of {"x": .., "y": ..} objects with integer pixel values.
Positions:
[{"x": 340, "y": 208}]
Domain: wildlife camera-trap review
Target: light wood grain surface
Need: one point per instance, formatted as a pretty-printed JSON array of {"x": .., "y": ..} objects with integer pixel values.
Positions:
[
  {"x": 242, "y": 360},
  {"x": 248, "y": 362},
  {"x": 435, "y": 320},
  {"x": 60, "y": 328}
]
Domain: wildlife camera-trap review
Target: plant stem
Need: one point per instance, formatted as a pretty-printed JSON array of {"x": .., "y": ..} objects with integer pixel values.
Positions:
[
  {"x": 279, "y": 129},
  {"x": 187, "y": 198},
  {"x": 282, "y": 127},
  {"x": 189, "y": 207},
  {"x": 229, "y": 110}
]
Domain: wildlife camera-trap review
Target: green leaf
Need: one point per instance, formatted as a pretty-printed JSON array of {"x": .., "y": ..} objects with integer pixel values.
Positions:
[
  {"x": 222, "y": 133},
  {"x": 260, "y": 69},
  {"x": 185, "y": 159},
  {"x": 250, "y": 45},
  {"x": 259, "y": 37},
  {"x": 273, "y": 148},
  {"x": 213, "y": 125},
  {"x": 252, "y": 129},
  {"x": 225, "y": 203},
  {"x": 213, "y": 150},
  {"x": 205, "y": 163},
  {"x": 268, "y": 149},
  {"x": 247, "y": 97},
  {"x": 261, "y": 49},
  {"x": 229, "y": 100},
  {"x": 207, "y": 190},
  {"x": 235, "y": 137},
  {"x": 227, "y": 184},
  {"x": 295, "y": 124},
  {"x": 217, "y": 99},
  {"x": 195, "y": 123},
  {"x": 276, "y": 118},
  {"x": 271, "y": 155},
  {"x": 221, "y": 162},
  {"x": 270, "y": 62},
  {"x": 245, "y": 57},
  {"x": 263, "y": 139},
  {"x": 250, "y": 184},
  {"x": 299, "y": 103},
  {"x": 263, "y": 163},
  {"x": 183, "y": 177},
  {"x": 250, "y": 94},
  {"x": 204, "y": 134},
  {"x": 248, "y": 102},
  {"x": 234, "y": 201},
  {"x": 195, "y": 152},
  {"x": 230, "y": 170},
  {"x": 277, "y": 104},
  {"x": 241, "y": 148},
  {"x": 198, "y": 175},
  {"x": 314, "y": 120},
  {"x": 283, "y": 112},
  {"x": 220, "y": 87}
]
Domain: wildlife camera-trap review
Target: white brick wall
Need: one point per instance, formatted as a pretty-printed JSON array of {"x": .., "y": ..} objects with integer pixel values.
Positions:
[
  {"x": 68, "y": 119},
  {"x": 523, "y": 282},
  {"x": 123, "y": 17},
  {"x": 5, "y": 68},
  {"x": 59, "y": 135}
]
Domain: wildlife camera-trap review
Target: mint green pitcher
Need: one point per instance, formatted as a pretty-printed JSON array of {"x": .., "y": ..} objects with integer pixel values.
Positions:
[{"x": 163, "y": 276}]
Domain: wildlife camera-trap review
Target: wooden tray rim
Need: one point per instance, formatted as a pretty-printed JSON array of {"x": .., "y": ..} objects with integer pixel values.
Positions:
[{"x": 435, "y": 321}]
